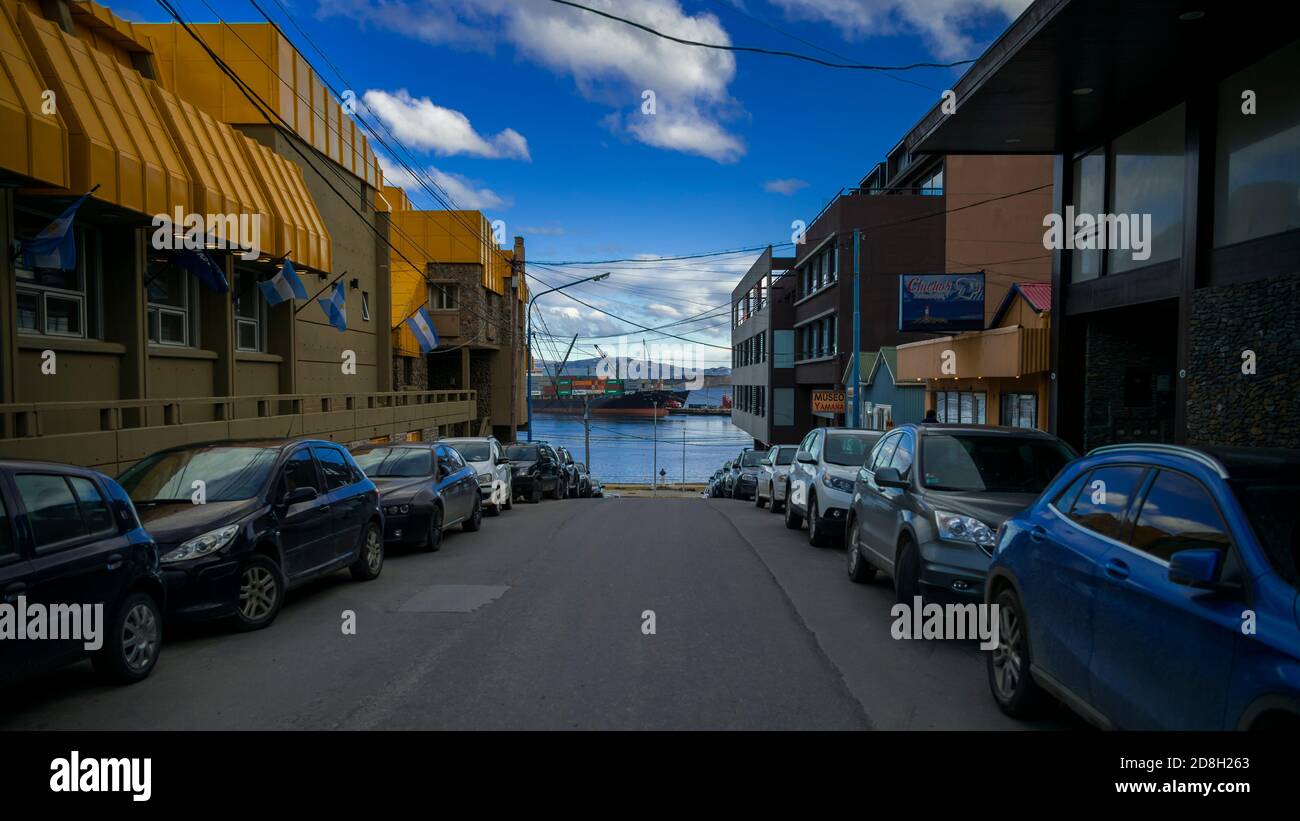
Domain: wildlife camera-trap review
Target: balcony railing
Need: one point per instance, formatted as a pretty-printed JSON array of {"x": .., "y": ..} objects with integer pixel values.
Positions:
[{"x": 897, "y": 191}]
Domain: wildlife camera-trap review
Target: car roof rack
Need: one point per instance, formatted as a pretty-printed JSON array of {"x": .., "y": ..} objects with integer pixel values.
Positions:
[{"x": 1169, "y": 450}]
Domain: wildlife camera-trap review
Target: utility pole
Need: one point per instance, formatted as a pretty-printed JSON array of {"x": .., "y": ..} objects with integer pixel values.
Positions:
[
  {"x": 654, "y": 460},
  {"x": 586, "y": 432},
  {"x": 532, "y": 302},
  {"x": 857, "y": 336},
  {"x": 683, "y": 454}
]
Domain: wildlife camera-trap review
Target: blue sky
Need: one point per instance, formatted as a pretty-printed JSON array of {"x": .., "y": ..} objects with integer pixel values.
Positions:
[{"x": 533, "y": 112}]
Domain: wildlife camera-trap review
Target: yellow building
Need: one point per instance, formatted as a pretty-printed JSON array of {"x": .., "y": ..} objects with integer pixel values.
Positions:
[{"x": 127, "y": 352}]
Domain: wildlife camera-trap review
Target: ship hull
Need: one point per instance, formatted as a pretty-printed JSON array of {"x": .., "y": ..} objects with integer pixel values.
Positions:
[{"x": 646, "y": 404}]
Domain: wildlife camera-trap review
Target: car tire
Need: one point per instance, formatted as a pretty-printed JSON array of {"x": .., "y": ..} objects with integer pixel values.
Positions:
[
  {"x": 860, "y": 570},
  {"x": 907, "y": 573},
  {"x": 816, "y": 532},
  {"x": 793, "y": 519},
  {"x": 131, "y": 648},
  {"x": 1012, "y": 685},
  {"x": 433, "y": 538},
  {"x": 475, "y": 520},
  {"x": 261, "y": 593},
  {"x": 493, "y": 509},
  {"x": 370, "y": 560},
  {"x": 535, "y": 497},
  {"x": 758, "y": 498},
  {"x": 510, "y": 496}
]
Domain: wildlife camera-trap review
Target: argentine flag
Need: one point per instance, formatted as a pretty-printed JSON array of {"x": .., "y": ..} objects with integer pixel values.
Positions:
[
  {"x": 56, "y": 245},
  {"x": 336, "y": 308},
  {"x": 283, "y": 286},
  {"x": 422, "y": 326},
  {"x": 202, "y": 266}
]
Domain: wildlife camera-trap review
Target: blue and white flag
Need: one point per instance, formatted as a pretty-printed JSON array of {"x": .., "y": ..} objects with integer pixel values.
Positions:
[
  {"x": 422, "y": 326},
  {"x": 336, "y": 308},
  {"x": 56, "y": 245},
  {"x": 283, "y": 286},
  {"x": 202, "y": 266}
]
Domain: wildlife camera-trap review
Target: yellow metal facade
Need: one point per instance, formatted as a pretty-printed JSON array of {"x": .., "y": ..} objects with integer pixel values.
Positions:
[{"x": 35, "y": 144}]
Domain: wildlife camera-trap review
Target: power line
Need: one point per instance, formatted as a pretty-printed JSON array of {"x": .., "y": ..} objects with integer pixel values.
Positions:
[{"x": 755, "y": 49}]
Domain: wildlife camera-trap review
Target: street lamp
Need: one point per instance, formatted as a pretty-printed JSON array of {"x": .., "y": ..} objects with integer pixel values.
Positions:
[{"x": 531, "y": 302}]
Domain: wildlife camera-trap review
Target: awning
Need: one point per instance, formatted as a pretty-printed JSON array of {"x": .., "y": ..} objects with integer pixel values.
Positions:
[
  {"x": 298, "y": 225},
  {"x": 1000, "y": 352},
  {"x": 35, "y": 144},
  {"x": 224, "y": 181},
  {"x": 116, "y": 137}
]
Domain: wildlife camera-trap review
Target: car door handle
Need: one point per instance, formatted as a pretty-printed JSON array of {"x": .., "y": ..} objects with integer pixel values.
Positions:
[
  {"x": 115, "y": 561},
  {"x": 324, "y": 508},
  {"x": 1116, "y": 569},
  {"x": 13, "y": 591},
  {"x": 1038, "y": 533}
]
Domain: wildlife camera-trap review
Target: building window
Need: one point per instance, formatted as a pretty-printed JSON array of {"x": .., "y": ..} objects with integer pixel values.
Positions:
[
  {"x": 1257, "y": 156},
  {"x": 443, "y": 296},
  {"x": 1089, "y": 173},
  {"x": 1146, "y": 173},
  {"x": 960, "y": 407},
  {"x": 54, "y": 302},
  {"x": 169, "y": 304},
  {"x": 819, "y": 338},
  {"x": 365, "y": 306},
  {"x": 932, "y": 186},
  {"x": 250, "y": 313},
  {"x": 1020, "y": 410}
]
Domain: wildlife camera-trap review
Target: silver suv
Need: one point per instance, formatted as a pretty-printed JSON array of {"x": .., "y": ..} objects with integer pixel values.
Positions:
[
  {"x": 772, "y": 481},
  {"x": 822, "y": 477}
]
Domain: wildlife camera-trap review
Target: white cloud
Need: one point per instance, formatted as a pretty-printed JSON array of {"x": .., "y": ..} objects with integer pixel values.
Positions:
[
  {"x": 463, "y": 192},
  {"x": 663, "y": 310},
  {"x": 786, "y": 186},
  {"x": 938, "y": 22},
  {"x": 424, "y": 125},
  {"x": 609, "y": 62}
]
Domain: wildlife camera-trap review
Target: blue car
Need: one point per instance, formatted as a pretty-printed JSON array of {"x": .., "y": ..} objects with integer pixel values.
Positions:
[{"x": 1155, "y": 587}]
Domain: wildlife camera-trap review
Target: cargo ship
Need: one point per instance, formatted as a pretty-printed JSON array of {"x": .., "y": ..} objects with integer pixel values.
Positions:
[{"x": 574, "y": 397}]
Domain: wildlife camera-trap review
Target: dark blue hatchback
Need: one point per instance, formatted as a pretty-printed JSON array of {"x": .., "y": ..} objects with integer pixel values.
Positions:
[{"x": 1155, "y": 586}]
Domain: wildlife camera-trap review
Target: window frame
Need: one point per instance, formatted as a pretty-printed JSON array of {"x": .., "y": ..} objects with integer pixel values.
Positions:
[
  {"x": 75, "y": 541},
  {"x": 88, "y": 270},
  {"x": 259, "y": 319},
  {"x": 157, "y": 309},
  {"x": 1140, "y": 501}
]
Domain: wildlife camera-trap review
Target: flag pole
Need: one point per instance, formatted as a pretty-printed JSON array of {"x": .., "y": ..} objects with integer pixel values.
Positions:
[{"x": 312, "y": 298}]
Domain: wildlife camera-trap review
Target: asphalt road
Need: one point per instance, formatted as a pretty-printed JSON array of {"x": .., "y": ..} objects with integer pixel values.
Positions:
[{"x": 536, "y": 622}]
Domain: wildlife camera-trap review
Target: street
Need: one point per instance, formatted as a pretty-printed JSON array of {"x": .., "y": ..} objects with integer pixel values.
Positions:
[{"x": 536, "y": 623}]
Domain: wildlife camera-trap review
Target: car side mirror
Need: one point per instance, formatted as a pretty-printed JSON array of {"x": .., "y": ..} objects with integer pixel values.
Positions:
[
  {"x": 863, "y": 475},
  {"x": 501, "y": 460},
  {"x": 805, "y": 457},
  {"x": 889, "y": 477},
  {"x": 298, "y": 495},
  {"x": 1198, "y": 567}
]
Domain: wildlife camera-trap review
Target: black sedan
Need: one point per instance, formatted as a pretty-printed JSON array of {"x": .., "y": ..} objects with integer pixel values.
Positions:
[
  {"x": 425, "y": 488},
  {"x": 240, "y": 523},
  {"x": 537, "y": 470}
]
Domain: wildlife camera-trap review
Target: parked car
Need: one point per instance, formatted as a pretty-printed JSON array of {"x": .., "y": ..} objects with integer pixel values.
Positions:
[
  {"x": 718, "y": 484},
  {"x": 927, "y": 504},
  {"x": 488, "y": 459},
  {"x": 584, "y": 481},
  {"x": 597, "y": 488},
  {"x": 729, "y": 478},
  {"x": 535, "y": 470},
  {"x": 239, "y": 523},
  {"x": 771, "y": 485},
  {"x": 424, "y": 488},
  {"x": 1126, "y": 591},
  {"x": 70, "y": 536},
  {"x": 748, "y": 465},
  {"x": 820, "y": 481},
  {"x": 570, "y": 469}
]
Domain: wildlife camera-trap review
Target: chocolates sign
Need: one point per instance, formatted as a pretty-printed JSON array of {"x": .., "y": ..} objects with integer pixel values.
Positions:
[{"x": 941, "y": 303}]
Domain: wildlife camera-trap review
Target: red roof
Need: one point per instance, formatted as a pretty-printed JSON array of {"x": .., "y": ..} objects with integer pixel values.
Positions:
[{"x": 1037, "y": 294}]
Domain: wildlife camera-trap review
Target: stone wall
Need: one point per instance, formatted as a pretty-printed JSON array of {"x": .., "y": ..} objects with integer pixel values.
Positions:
[
  {"x": 1224, "y": 405},
  {"x": 410, "y": 373},
  {"x": 480, "y": 379},
  {"x": 1138, "y": 345}
]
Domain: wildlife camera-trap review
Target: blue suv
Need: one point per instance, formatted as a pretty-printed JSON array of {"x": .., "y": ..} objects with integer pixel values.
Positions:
[{"x": 1155, "y": 586}]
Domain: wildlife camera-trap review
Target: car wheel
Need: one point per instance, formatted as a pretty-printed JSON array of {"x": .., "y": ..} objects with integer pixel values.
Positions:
[
  {"x": 1013, "y": 687},
  {"x": 793, "y": 519},
  {"x": 493, "y": 508},
  {"x": 433, "y": 539},
  {"x": 816, "y": 531},
  {"x": 131, "y": 648},
  {"x": 758, "y": 497},
  {"x": 536, "y": 496},
  {"x": 510, "y": 496},
  {"x": 777, "y": 504},
  {"x": 371, "y": 560},
  {"x": 907, "y": 572},
  {"x": 261, "y": 593},
  {"x": 475, "y": 520},
  {"x": 860, "y": 570}
]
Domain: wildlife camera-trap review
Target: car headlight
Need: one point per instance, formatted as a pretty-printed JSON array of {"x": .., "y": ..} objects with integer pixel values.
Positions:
[
  {"x": 485, "y": 477},
  {"x": 961, "y": 528},
  {"x": 842, "y": 485},
  {"x": 397, "y": 510},
  {"x": 201, "y": 545}
]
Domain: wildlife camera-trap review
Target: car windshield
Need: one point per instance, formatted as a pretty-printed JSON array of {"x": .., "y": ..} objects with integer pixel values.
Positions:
[
  {"x": 752, "y": 458},
  {"x": 473, "y": 451},
  {"x": 522, "y": 453},
  {"x": 396, "y": 462},
  {"x": 785, "y": 456},
  {"x": 995, "y": 464},
  {"x": 1274, "y": 513},
  {"x": 848, "y": 448},
  {"x": 229, "y": 474}
]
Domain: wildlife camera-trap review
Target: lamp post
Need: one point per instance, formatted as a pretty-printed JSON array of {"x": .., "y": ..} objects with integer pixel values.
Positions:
[{"x": 531, "y": 302}]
